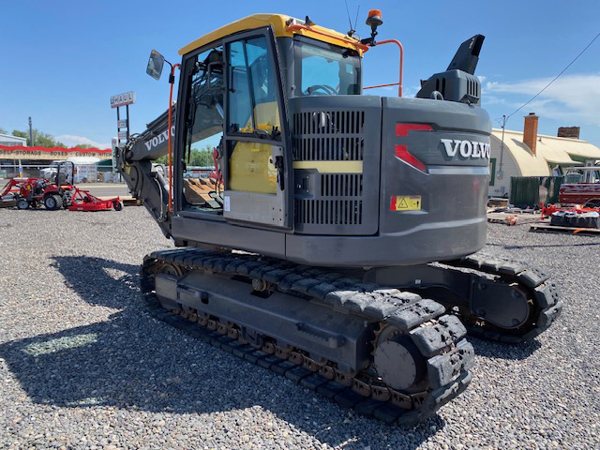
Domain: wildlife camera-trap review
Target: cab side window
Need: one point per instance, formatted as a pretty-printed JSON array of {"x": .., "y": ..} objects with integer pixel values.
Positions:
[
  {"x": 204, "y": 124},
  {"x": 252, "y": 96},
  {"x": 253, "y": 112}
]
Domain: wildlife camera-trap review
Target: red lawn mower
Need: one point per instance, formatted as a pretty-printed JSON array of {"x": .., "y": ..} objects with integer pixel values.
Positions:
[{"x": 80, "y": 200}]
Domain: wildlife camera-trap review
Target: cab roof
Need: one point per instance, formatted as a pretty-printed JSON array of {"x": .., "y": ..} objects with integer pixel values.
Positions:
[{"x": 281, "y": 26}]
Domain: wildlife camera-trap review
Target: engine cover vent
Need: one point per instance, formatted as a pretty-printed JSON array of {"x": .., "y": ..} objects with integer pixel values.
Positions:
[
  {"x": 329, "y": 136},
  {"x": 341, "y": 185},
  {"x": 329, "y": 212},
  {"x": 333, "y": 156}
]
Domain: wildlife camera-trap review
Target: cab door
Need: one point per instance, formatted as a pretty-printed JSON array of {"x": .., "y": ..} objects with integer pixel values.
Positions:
[{"x": 256, "y": 147}]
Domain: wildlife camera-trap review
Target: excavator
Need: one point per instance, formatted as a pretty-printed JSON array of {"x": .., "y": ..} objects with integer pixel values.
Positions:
[{"x": 334, "y": 241}]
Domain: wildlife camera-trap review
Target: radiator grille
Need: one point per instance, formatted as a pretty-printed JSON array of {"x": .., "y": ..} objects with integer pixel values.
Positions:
[
  {"x": 329, "y": 136},
  {"x": 341, "y": 185},
  {"x": 330, "y": 202},
  {"x": 329, "y": 212}
]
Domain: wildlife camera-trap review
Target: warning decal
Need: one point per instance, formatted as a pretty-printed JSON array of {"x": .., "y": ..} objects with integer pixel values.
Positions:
[{"x": 405, "y": 203}]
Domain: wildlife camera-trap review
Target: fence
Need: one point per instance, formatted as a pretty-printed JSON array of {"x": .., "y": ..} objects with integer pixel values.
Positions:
[
  {"x": 84, "y": 173},
  {"x": 531, "y": 191}
]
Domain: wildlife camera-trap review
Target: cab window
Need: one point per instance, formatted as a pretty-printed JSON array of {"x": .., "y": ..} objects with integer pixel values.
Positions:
[
  {"x": 324, "y": 69},
  {"x": 253, "y": 112},
  {"x": 252, "y": 90},
  {"x": 202, "y": 187}
]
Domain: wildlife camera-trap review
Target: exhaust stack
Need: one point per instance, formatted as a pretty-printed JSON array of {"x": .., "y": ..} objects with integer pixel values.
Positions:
[{"x": 458, "y": 83}]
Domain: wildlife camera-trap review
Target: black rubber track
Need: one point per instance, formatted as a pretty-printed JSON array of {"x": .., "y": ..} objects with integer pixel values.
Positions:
[
  {"x": 440, "y": 338},
  {"x": 546, "y": 304}
]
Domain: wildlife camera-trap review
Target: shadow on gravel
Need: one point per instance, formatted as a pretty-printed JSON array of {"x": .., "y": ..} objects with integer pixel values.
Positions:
[
  {"x": 130, "y": 362},
  {"x": 514, "y": 352},
  {"x": 99, "y": 281}
]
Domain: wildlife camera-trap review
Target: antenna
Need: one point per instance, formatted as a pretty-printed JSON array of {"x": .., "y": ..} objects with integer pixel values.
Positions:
[
  {"x": 356, "y": 19},
  {"x": 351, "y": 31}
]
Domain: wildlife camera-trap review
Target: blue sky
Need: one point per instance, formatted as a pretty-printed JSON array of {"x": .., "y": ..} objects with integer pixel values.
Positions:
[{"x": 62, "y": 60}]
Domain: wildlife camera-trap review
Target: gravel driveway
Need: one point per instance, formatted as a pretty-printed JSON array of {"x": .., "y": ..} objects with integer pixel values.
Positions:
[{"x": 83, "y": 364}]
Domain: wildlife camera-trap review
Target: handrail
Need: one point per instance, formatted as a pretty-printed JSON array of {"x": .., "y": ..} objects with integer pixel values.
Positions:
[
  {"x": 399, "y": 83},
  {"x": 171, "y": 80}
]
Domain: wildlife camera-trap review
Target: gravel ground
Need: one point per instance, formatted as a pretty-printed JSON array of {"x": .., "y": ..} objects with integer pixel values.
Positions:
[{"x": 83, "y": 365}]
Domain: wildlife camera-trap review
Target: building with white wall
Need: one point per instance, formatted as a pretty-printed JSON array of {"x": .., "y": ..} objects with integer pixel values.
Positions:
[
  {"x": 529, "y": 154},
  {"x": 12, "y": 141}
]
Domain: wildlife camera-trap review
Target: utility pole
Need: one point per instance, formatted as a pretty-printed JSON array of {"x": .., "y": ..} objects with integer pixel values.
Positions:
[
  {"x": 500, "y": 171},
  {"x": 31, "y": 143}
]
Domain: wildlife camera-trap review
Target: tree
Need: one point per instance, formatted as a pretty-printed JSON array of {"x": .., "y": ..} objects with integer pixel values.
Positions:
[
  {"x": 83, "y": 146},
  {"x": 201, "y": 157},
  {"x": 21, "y": 134},
  {"x": 39, "y": 138},
  {"x": 198, "y": 158}
]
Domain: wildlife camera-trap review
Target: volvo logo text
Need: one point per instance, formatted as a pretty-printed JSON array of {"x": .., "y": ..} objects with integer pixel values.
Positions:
[
  {"x": 466, "y": 149},
  {"x": 157, "y": 140}
]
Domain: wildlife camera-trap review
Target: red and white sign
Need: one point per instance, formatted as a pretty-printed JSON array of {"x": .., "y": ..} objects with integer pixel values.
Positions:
[{"x": 128, "y": 98}]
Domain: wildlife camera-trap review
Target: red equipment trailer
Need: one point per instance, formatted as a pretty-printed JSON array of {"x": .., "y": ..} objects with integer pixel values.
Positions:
[
  {"x": 587, "y": 194},
  {"x": 582, "y": 187}
]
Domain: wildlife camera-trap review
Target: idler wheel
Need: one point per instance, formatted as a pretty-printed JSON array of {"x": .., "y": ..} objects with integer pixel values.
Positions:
[
  {"x": 170, "y": 269},
  {"x": 174, "y": 271},
  {"x": 398, "y": 362}
]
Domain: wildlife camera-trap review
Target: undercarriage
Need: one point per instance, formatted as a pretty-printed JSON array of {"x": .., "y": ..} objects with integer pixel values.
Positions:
[
  {"x": 389, "y": 354},
  {"x": 496, "y": 299},
  {"x": 365, "y": 339}
]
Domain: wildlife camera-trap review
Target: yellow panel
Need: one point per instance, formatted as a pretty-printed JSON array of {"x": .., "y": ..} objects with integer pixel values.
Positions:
[
  {"x": 267, "y": 116},
  {"x": 251, "y": 169},
  {"x": 331, "y": 166},
  {"x": 280, "y": 27}
]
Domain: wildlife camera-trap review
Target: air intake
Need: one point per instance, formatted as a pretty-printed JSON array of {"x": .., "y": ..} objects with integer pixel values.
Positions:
[
  {"x": 329, "y": 135},
  {"x": 330, "y": 153}
]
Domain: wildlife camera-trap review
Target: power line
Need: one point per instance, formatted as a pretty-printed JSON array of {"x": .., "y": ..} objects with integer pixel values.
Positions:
[
  {"x": 555, "y": 78},
  {"x": 505, "y": 118}
]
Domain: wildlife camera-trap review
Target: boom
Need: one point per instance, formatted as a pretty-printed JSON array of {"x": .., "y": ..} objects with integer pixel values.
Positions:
[{"x": 136, "y": 168}]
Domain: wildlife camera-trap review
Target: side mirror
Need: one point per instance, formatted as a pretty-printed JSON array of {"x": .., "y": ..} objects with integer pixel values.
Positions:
[{"x": 155, "y": 64}]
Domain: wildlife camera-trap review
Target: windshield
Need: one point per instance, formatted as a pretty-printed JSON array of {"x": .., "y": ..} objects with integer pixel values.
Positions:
[{"x": 324, "y": 69}]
